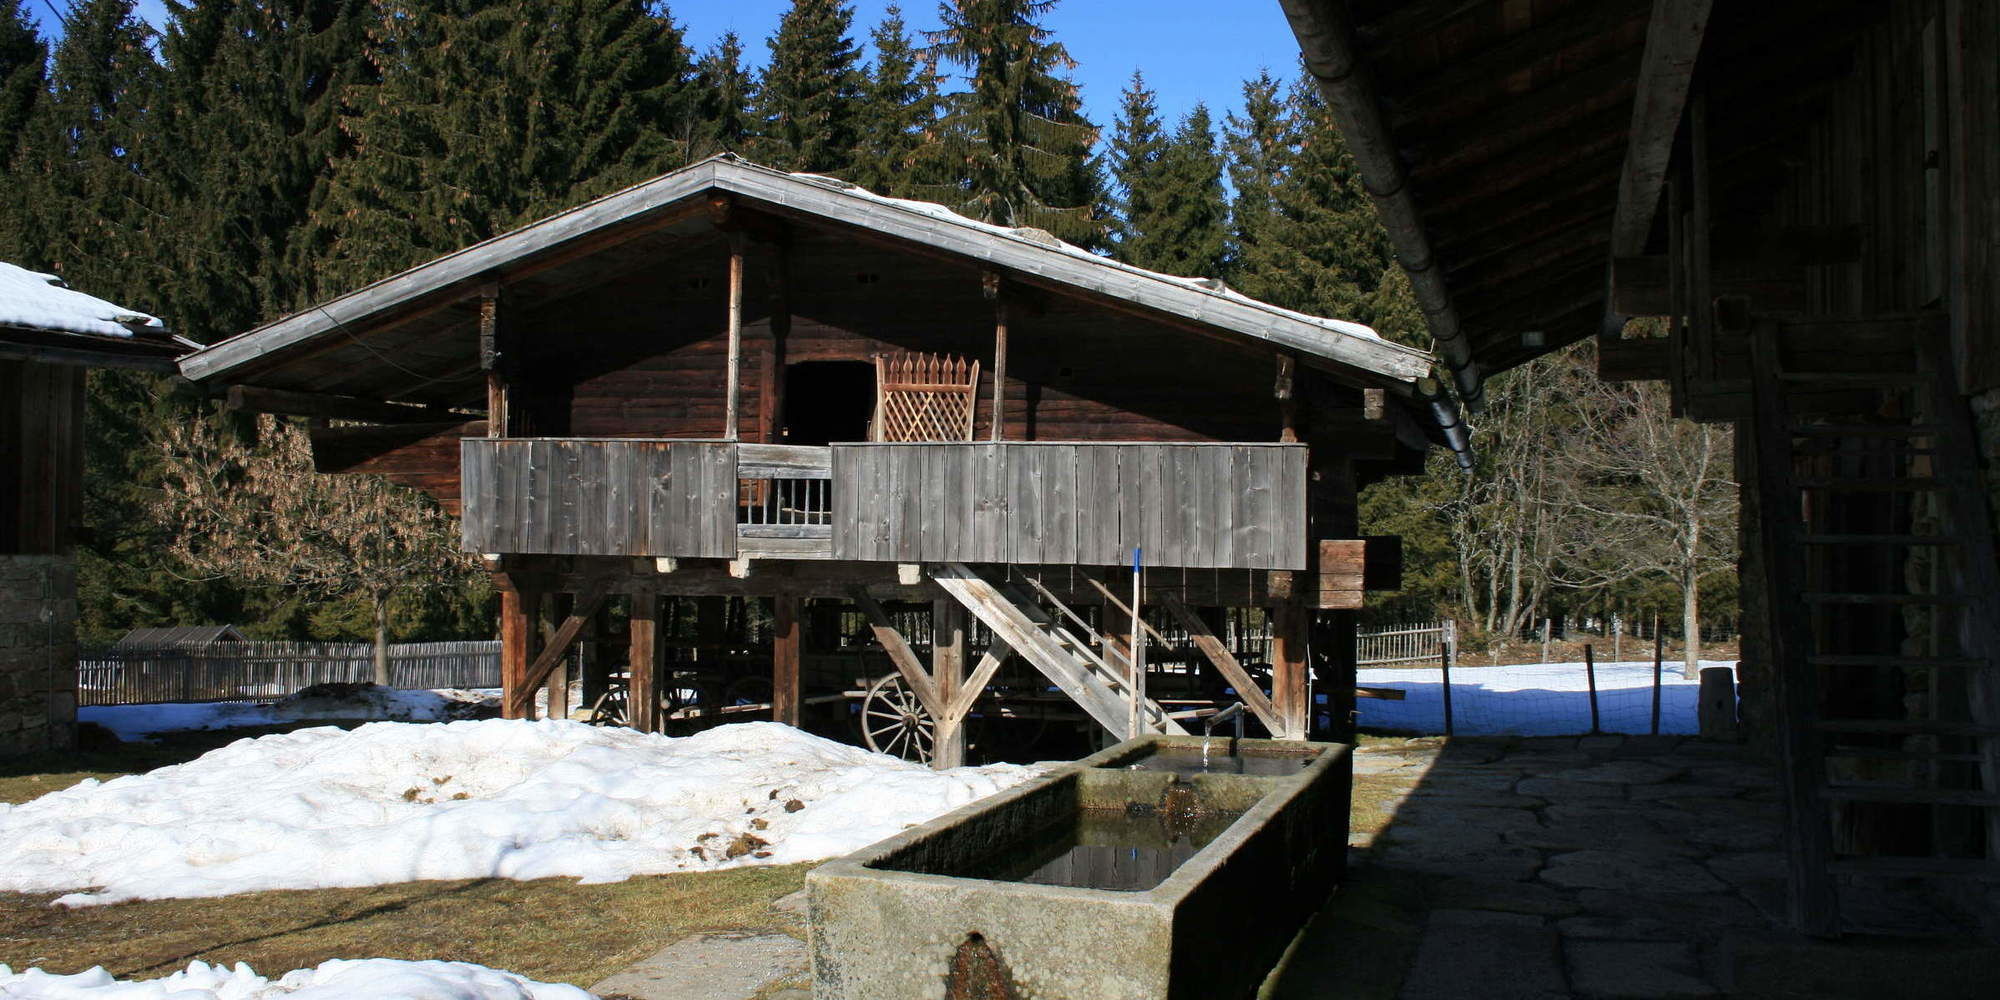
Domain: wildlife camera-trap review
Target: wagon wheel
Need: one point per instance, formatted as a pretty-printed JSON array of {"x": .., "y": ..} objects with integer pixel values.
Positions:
[
  {"x": 609, "y": 708},
  {"x": 894, "y": 722},
  {"x": 749, "y": 689}
]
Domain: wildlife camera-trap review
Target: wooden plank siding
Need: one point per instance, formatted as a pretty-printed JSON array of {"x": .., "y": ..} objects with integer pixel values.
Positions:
[
  {"x": 41, "y": 456},
  {"x": 1188, "y": 505},
  {"x": 601, "y": 498}
]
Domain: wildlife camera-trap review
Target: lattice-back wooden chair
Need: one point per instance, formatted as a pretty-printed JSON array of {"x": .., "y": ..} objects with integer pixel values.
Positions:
[{"x": 924, "y": 397}]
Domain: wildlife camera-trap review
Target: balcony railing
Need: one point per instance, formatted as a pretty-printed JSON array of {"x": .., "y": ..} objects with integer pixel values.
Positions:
[{"x": 1186, "y": 505}]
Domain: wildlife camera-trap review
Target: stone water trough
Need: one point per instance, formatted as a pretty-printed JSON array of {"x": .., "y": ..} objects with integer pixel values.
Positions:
[{"x": 1149, "y": 870}]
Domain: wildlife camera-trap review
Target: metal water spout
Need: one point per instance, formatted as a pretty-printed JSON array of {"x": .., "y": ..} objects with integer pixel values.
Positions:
[{"x": 1235, "y": 711}]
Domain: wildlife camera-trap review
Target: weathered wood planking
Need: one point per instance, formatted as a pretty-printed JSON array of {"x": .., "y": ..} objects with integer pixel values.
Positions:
[
  {"x": 607, "y": 498},
  {"x": 1188, "y": 505}
]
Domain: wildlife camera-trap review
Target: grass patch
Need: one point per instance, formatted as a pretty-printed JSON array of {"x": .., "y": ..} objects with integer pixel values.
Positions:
[
  {"x": 1360, "y": 944},
  {"x": 549, "y": 929}
]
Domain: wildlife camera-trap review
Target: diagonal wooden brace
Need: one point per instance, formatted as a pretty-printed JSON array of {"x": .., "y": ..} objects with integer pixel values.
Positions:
[
  {"x": 1232, "y": 671},
  {"x": 559, "y": 644},
  {"x": 969, "y": 692},
  {"x": 900, "y": 653}
]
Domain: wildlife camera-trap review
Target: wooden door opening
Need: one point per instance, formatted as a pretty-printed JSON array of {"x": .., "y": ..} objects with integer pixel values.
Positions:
[{"x": 828, "y": 401}]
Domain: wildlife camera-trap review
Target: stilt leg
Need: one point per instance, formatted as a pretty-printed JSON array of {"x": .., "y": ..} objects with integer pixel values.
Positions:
[
  {"x": 1290, "y": 625},
  {"x": 787, "y": 642},
  {"x": 643, "y": 700},
  {"x": 948, "y": 671}
]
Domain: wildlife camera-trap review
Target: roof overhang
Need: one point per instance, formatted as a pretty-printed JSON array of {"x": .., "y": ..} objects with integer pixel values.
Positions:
[{"x": 1032, "y": 257}]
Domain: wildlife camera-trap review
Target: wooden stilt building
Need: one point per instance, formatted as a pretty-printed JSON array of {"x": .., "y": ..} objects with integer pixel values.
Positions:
[
  {"x": 732, "y": 384},
  {"x": 1808, "y": 192}
]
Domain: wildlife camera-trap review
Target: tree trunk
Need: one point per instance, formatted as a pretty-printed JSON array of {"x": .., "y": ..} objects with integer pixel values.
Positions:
[
  {"x": 1690, "y": 622},
  {"x": 382, "y": 641}
]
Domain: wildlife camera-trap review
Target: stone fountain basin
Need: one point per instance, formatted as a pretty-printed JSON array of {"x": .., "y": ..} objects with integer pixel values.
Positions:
[{"x": 913, "y": 917}]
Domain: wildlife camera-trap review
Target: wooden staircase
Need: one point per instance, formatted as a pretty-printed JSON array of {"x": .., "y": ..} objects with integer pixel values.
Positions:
[
  {"x": 1100, "y": 686},
  {"x": 1884, "y": 599}
]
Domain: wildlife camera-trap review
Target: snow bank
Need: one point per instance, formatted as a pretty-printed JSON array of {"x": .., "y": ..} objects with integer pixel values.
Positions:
[
  {"x": 393, "y": 802},
  {"x": 367, "y": 979},
  {"x": 39, "y": 301},
  {"x": 133, "y": 722},
  {"x": 1537, "y": 699}
]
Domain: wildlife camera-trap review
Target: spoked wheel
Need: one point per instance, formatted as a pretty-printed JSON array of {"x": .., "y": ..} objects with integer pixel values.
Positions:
[
  {"x": 894, "y": 722},
  {"x": 749, "y": 690},
  {"x": 609, "y": 709}
]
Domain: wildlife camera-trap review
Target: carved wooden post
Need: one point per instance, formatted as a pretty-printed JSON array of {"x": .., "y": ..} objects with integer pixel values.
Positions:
[
  {"x": 990, "y": 284},
  {"x": 642, "y": 698},
  {"x": 787, "y": 640},
  {"x": 733, "y": 389},
  {"x": 494, "y": 359},
  {"x": 948, "y": 673}
]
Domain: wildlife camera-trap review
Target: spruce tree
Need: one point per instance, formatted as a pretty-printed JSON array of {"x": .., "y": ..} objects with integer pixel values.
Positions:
[
  {"x": 1015, "y": 147},
  {"x": 1259, "y": 143},
  {"x": 809, "y": 100},
  {"x": 1189, "y": 229},
  {"x": 1137, "y": 142},
  {"x": 898, "y": 111},
  {"x": 727, "y": 93},
  {"x": 23, "y": 70}
]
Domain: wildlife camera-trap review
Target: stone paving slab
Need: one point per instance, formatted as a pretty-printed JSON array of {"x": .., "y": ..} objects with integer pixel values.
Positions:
[
  {"x": 1479, "y": 955},
  {"x": 1618, "y": 970},
  {"x": 709, "y": 967}
]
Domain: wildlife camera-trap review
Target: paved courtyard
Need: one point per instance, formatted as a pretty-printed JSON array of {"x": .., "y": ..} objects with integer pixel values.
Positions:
[{"x": 1593, "y": 867}]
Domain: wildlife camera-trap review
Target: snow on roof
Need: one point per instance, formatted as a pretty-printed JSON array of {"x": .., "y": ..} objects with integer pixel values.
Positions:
[
  {"x": 397, "y": 802},
  {"x": 1044, "y": 238},
  {"x": 37, "y": 301}
]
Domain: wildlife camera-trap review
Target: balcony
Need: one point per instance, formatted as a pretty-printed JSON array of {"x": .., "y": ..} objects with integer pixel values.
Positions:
[{"x": 1232, "y": 505}]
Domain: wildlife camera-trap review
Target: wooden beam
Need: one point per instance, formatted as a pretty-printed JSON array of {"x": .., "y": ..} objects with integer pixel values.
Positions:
[
  {"x": 558, "y": 646},
  {"x": 787, "y": 645},
  {"x": 493, "y": 360},
  {"x": 518, "y": 610},
  {"x": 733, "y": 388},
  {"x": 1224, "y": 661},
  {"x": 1286, "y": 392},
  {"x": 1291, "y": 625},
  {"x": 991, "y": 285},
  {"x": 252, "y": 399},
  {"x": 968, "y": 694},
  {"x": 642, "y": 702},
  {"x": 899, "y": 652},
  {"x": 948, "y": 672},
  {"x": 1666, "y": 68}
]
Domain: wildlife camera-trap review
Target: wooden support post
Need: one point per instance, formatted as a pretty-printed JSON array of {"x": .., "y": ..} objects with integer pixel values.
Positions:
[
  {"x": 1288, "y": 404},
  {"x": 642, "y": 703},
  {"x": 494, "y": 359},
  {"x": 948, "y": 672},
  {"x": 733, "y": 389},
  {"x": 520, "y": 614},
  {"x": 1212, "y": 647},
  {"x": 547, "y": 663},
  {"x": 1290, "y": 700},
  {"x": 994, "y": 292},
  {"x": 900, "y": 653},
  {"x": 771, "y": 401},
  {"x": 787, "y": 645},
  {"x": 558, "y": 683}
]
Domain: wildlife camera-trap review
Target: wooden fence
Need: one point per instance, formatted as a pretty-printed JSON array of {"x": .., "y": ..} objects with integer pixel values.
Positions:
[
  {"x": 263, "y": 671},
  {"x": 1417, "y": 642}
]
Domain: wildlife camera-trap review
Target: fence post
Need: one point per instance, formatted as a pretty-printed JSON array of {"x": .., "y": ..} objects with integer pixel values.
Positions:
[
  {"x": 1658, "y": 650},
  {"x": 1617, "y": 634},
  {"x": 1545, "y": 640},
  {"x": 1590, "y": 677},
  {"x": 1444, "y": 665}
]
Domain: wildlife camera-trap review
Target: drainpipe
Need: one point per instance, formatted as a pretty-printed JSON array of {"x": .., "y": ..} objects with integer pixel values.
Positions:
[
  {"x": 1327, "y": 42},
  {"x": 1445, "y": 411}
]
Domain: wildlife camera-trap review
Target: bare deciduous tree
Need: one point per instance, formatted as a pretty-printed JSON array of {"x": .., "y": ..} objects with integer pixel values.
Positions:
[{"x": 250, "y": 506}]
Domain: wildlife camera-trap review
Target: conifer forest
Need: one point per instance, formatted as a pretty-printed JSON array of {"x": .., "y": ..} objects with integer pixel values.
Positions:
[{"x": 247, "y": 158}]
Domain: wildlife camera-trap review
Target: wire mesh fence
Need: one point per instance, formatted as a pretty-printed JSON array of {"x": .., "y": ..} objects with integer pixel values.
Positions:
[{"x": 263, "y": 671}]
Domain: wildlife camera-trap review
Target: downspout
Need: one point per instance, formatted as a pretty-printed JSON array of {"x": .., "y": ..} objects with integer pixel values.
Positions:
[
  {"x": 1445, "y": 410},
  {"x": 1327, "y": 42}
]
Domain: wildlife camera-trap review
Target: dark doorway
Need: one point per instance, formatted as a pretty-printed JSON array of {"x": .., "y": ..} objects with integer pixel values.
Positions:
[{"x": 828, "y": 401}]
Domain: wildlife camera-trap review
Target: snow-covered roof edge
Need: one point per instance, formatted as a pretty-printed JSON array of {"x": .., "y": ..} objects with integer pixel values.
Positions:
[
  {"x": 31, "y": 300},
  {"x": 1347, "y": 344}
]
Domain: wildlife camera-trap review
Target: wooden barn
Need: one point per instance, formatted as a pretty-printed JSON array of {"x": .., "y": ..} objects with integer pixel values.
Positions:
[
  {"x": 49, "y": 336},
  {"x": 732, "y": 391},
  {"x": 1809, "y": 192}
]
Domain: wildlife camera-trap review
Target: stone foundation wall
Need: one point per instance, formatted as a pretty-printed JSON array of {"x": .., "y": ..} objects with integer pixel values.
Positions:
[{"x": 37, "y": 653}]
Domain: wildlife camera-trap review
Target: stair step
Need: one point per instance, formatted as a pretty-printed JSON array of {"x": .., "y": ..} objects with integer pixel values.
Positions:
[
  {"x": 1905, "y": 727},
  {"x": 1871, "y": 660},
  {"x": 1919, "y": 867},
  {"x": 1846, "y": 598},
  {"x": 1843, "y": 484},
  {"x": 1867, "y": 430},
  {"x": 1914, "y": 796},
  {"x": 1913, "y": 540}
]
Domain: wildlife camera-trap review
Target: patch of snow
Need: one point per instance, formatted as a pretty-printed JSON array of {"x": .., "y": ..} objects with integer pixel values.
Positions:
[
  {"x": 365, "y": 979},
  {"x": 136, "y": 722},
  {"x": 395, "y": 802},
  {"x": 1045, "y": 239},
  {"x": 40, "y": 301},
  {"x": 1538, "y": 699}
]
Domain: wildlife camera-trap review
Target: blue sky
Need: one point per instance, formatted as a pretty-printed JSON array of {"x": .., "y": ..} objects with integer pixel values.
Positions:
[{"x": 1189, "y": 51}]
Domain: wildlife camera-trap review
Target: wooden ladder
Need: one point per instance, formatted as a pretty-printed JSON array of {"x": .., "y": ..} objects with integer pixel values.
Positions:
[
  {"x": 1098, "y": 686},
  {"x": 1885, "y": 633}
]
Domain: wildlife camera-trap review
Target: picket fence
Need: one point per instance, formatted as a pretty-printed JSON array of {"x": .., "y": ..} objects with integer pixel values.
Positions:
[
  {"x": 263, "y": 671},
  {"x": 1416, "y": 642}
]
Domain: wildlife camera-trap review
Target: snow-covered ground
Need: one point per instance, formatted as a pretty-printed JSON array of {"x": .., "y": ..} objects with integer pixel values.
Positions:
[
  {"x": 367, "y": 979},
  {"x": 1538, "y": 699},
  {"x": 135, "y": 722},
  {"x": 395, "y": 802}
]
